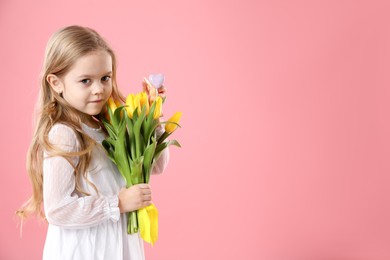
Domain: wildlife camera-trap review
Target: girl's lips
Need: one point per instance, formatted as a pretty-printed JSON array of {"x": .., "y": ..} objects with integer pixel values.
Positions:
[{"x": 97, "y": 101}]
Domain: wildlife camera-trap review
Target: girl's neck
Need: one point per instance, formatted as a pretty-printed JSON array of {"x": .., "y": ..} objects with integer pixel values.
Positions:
[{"x": 89, "y": 121}]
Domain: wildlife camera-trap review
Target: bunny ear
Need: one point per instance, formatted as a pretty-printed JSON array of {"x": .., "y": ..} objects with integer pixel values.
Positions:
[
  {"x": 146, "y": 85},
  {"x": 146, "y": 80},
  {"x": 150, "y": 90}
]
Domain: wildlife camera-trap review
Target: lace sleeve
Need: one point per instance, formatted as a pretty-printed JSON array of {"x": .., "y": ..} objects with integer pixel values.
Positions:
[{"x": 63, "y": 207}]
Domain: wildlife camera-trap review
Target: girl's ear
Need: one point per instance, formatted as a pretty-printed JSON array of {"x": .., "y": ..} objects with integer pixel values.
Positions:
[{"x": 55, "y": 83}]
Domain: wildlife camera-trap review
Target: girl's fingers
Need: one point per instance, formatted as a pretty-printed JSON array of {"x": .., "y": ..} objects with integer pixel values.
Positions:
[
  {"x": 162, "y": 90},
  {"x": 147, "y": 203},
  {"x": 147, "y": 197},
  {"x": 144, "y": 186},
  {"x": 146, "y": 192}
]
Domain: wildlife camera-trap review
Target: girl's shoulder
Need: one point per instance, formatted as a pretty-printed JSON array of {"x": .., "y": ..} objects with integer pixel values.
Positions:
[
  {"x": 61, "y": 128},
  {"x": 63, "y": 135}
]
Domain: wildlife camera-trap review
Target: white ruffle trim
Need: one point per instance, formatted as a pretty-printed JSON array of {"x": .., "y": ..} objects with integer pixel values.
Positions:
[{"x": 113, "y": 208}]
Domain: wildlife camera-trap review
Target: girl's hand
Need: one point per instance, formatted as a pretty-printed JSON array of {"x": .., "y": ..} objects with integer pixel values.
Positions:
[
  {"x": 161, "y": 91},
  {"x": 151, "y": 91},
  {"x": 136, "y": 197}
]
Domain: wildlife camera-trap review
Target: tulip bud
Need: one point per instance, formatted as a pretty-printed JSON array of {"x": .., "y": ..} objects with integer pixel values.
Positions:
[
  {"x": 144, "y": 101},
  {"x": 130, "y": 105},
  {"x": 112, "y": 104},
  {"x": 169, "y": 127},
  {"x": 137, "y": 102},
  {"x": 158, "y": 108}
]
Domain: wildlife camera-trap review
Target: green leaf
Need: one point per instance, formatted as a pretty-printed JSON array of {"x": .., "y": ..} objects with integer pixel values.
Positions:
[
  {"x": 144, "y": 127},
  {"x": 111, "y": 142},
  {"x": 171, "y": 122},
  {"x": 137, "y": 134},
  {"x": 130, "y": 162},
  {"x": 110, "y": 129},
  {"x": 142, "y": 143},
  {"x": 110, "y": 113},
  {"x": 131, "y": 138},
  {"x": 163, "y": 137},
  {"x": 136, "y": 170},
  {"x": 174, "y": 142},
  {"x": 110, "y": 151},
  {"x": 135, "y": 114},
  {"x": 162, "y": 146},
  {"x": 120, "y": 153},
  {"x": 151, "y": 113},
  {"x": 166, "y": 134},
  {"x": 106, "y": 145},
  {"x": 117, "y": 114},
  {"x": 148, "y": 157},
  {"x": 152, "y": 129}
]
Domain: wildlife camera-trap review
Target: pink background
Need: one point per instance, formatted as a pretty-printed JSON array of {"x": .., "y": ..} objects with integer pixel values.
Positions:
[{"x": 285, "y": 122}]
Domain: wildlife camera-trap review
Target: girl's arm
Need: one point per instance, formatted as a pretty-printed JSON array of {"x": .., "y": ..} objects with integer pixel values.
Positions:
[
  {"x": 63, "y": 206},
  {"x": 163, "y": 160}
]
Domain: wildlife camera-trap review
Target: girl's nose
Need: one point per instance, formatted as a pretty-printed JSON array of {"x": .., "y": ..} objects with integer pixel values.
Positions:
[{"x": 98, "y": 88}]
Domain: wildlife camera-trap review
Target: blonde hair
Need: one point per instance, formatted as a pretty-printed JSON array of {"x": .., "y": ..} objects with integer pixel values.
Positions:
[{"x": 64, "y": 47}]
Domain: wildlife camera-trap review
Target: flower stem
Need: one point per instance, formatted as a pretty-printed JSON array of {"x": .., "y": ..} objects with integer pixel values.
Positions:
[{"x": 132, "y": 226}]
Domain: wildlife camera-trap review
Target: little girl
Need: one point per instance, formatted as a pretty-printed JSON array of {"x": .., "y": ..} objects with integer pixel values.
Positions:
[{"x": 75, "y": 185}]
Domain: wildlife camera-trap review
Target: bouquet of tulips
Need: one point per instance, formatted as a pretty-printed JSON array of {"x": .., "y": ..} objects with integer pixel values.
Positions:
[{"x": 134, "y": 146}]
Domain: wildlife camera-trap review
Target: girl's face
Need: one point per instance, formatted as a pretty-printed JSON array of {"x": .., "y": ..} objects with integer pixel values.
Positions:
[{"x": 87, "y": 85}]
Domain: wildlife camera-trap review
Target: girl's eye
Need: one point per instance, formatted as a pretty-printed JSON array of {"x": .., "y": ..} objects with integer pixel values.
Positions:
[
  {"x": 106, "y": 78},
  {"x": 84, "y": 81}
]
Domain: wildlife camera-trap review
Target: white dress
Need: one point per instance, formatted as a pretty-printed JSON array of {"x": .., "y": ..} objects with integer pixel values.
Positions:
[{"x": 87, "y": 227}]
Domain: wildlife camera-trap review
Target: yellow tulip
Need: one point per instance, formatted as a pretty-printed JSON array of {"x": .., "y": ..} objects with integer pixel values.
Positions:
[
  {"x": 148, "y": 223},
  {"x": 158, "y": 108},
  {"x": 169, "y": 127},
  {"x": 137, "y": 102},
  {"x": 113, "y": 106},
  {"x": 144, "y": 101},
  {"x": 130, "y": 105}
]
